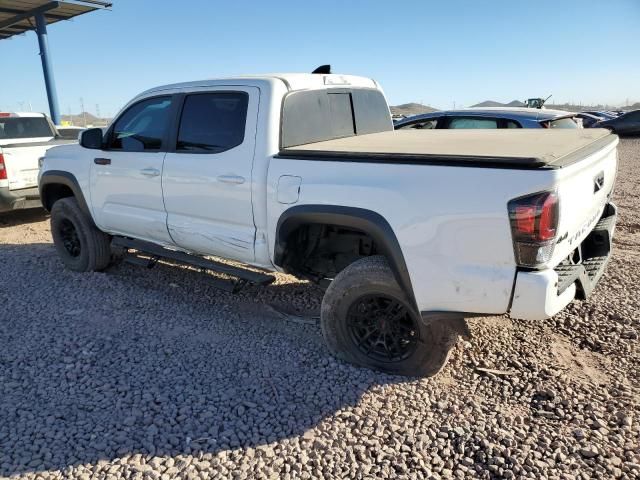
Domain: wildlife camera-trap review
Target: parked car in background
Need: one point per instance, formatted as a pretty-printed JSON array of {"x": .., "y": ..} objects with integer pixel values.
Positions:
[
  {"x": 589, "y": 120},
  {"x": 626, "y": 124},
  {"x": 69, "y": 132},
  {"x": 303, "y": 173},
  {"x": 490, "y": 118},
  {"x": 602, "y": 114},
  {"x": 24, "y": 139}
]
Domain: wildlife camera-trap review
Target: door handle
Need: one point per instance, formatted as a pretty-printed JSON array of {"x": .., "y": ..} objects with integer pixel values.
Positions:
[
  {"x": 235, "y": 179},
  {"x": 150, "y": 172},
  {"x": 102, "y": 161}
]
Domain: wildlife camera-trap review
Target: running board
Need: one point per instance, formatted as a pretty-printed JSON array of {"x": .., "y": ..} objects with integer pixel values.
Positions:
[{"x": 156, "y": 252}]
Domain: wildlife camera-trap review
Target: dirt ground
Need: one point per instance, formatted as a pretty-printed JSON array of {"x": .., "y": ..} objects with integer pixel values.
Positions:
[{"x": 155, "y": 374}]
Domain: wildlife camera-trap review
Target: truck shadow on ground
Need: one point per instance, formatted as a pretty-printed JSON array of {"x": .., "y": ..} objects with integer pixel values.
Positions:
[
  {"x": 23, "y": 217},
  {"x": 98, "y": 366}
]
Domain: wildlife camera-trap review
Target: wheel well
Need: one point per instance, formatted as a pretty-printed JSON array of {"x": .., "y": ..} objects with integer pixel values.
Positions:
[
  {"x": 319, "y": 252},
  {"x": 53, "y": 192},
  {"x": 318, "y": 241}
]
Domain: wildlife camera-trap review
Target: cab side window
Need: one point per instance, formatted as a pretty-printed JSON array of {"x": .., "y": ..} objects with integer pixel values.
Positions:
[
  {"x": 461, "y": 122},
  {"x": 429, "y": 124},
  {"x": 142, "y": 127},
  {"x": 212, "y": 122}
]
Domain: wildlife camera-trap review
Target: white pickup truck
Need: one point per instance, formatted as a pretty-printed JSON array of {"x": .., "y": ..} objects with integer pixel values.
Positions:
[
  {"x": 410, "y": 232},
  {"x": 24, "y": 139}
]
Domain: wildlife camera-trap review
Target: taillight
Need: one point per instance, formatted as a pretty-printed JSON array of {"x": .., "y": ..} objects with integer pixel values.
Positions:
[
  {"x": 3, "y": 168},
  {"x": 534, "y": 226}
]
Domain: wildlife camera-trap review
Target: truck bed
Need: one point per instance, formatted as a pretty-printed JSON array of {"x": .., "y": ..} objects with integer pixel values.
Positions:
[{"x": 523, "y": 148}]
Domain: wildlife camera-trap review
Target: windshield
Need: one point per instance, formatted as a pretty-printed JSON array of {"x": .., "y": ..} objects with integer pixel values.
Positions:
[{"x": 24, "y": 127}]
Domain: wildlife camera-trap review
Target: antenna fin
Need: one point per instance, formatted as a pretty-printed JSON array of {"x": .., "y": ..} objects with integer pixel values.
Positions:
[{"x": 325, "y": 69}]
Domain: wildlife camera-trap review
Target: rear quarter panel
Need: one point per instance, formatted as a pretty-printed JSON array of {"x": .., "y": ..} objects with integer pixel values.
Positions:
[{"x": 451, "y": 222}]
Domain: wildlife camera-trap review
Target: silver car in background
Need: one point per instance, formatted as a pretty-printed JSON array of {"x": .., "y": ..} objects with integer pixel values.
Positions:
[{"x": 491, "y": 118}]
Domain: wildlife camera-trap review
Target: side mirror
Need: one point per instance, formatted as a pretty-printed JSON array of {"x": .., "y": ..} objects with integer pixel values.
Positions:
[{"x": 91, "y": 138}]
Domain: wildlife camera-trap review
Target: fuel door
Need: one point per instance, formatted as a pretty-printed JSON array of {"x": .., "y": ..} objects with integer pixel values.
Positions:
[{"x": 289, "y": 189}]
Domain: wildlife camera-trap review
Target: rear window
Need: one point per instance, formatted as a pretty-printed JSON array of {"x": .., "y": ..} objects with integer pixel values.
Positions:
[
  {"x": 24, "y": 127},
  {"x": 561, "y": 123},
  {"x": 310, "y": 116},
  {"x": 342, "y": 121}
]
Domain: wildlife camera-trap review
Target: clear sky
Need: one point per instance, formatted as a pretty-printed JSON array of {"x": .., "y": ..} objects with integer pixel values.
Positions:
[{"x": 435, "y": 52}]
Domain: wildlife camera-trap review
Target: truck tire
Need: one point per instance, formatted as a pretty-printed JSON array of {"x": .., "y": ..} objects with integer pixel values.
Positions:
[
  {"x": 366, "y": 319},
  {"x": 81, "y": 246}
]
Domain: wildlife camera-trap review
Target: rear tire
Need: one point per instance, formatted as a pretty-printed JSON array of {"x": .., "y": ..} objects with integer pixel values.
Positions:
[
  {"x": 367, "y": 319},
  {"x": 81, "y": 246}
]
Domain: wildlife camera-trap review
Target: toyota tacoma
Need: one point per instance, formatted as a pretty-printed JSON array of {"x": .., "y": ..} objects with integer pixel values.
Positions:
[{"x": 410, "y": 232}]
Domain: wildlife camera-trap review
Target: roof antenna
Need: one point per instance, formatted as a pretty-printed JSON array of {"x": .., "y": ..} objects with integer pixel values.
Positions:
[{"x": 326, "y": 69}]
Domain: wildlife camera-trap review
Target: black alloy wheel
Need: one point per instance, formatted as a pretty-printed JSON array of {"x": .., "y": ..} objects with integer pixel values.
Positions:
[
  {"x": 382, "y": 328},
  {"x": 69, "y": 237}
]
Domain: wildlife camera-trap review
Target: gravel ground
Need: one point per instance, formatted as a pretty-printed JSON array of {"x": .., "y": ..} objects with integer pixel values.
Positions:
[{"x": 154, "y": 374}]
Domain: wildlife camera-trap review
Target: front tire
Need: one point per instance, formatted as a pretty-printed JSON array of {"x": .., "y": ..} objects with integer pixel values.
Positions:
[
  {"x": 367, "y": 319},
  {"x": 79, "y": 243}
]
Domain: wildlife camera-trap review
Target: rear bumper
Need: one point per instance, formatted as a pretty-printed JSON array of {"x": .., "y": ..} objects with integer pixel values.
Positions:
[
  {"x": 541, "y": 294},
  {"x": 17, "y": 199}
]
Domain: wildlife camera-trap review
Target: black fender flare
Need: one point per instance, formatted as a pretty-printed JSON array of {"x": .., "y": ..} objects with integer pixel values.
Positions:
[
  {"x": 366, "y": 221},
  {"x": 59, "y": 177}
]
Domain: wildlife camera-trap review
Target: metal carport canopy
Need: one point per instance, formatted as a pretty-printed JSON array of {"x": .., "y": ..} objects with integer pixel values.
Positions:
[{"x": 20, "y": 16}]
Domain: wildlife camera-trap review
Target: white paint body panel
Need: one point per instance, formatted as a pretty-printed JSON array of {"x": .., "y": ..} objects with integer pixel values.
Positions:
[
  {"x": 535, "y": 295},
  {"x": 22, "y": 163},
  {"x": 451, "y": 222},
  {"x": 125, "y": 199},
  {"x": 207, "y": 196},
  {"x": 458, "y": 249}
]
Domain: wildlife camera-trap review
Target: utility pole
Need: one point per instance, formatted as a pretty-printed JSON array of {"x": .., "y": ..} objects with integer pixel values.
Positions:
[
  {"x": 84, "y": 114},
  {"x": 98, "y": 111}
]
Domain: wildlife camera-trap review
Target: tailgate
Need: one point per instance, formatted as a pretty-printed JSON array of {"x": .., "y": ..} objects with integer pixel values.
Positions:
[
  {"x": 22, "y": 165},
  {"x": 22, "y": 161},
  {"x": 584, "y": 188}
]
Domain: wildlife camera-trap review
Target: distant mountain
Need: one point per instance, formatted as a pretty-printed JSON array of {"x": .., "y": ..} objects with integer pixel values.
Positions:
[
  {"x": 84, "y": 119},
  {"x": 408, "y": 109},
  {"x": 493, "y": 103}
]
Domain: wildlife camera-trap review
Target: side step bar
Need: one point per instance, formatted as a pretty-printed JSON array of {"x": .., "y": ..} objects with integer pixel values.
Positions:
[{"x": 156, "y": 252}]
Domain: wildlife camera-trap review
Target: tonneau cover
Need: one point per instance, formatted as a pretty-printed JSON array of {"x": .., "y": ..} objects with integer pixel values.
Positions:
[{"x": 522, "y": 148}]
